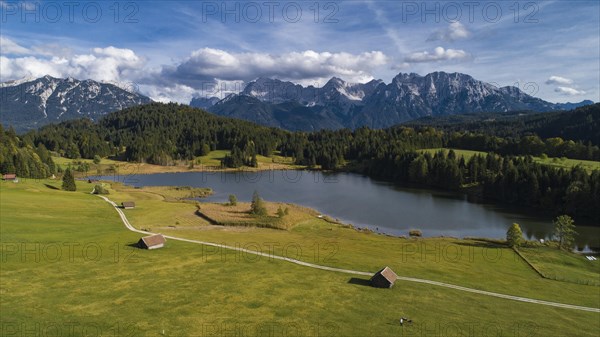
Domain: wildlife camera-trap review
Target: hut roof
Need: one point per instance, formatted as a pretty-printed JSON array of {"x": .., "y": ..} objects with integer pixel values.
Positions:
[
  {"x": 388, "y": 274},
  {"x": 154, "y": 240},
  {"x": 128, "y": 204}
]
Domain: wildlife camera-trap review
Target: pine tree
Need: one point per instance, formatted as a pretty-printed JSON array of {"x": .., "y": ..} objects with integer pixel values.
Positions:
[
  {"x": 68, "y": 183},
  {"x": 257, "y": 207}
]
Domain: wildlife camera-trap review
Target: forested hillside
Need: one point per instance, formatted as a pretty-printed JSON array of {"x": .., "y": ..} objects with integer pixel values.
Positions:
[
  {"x": 581, "y": 124},
  {"x": 156, "y": 133},
  {"x": 22, "y": 158}
]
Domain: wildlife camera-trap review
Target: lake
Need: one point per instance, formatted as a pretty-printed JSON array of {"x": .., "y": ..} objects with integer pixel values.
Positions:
[{"x": 365, "y": 202}]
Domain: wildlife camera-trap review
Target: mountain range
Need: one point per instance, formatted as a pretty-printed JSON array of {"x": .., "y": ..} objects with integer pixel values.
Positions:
[
  {"x": 340, "y": 104},
  {"x": 31, "y": 103}
]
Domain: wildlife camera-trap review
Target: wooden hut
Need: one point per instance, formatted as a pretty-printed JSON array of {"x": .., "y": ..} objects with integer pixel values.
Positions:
[
  {"x": 152, "y": 242},
  {"x": 9, "y": 177},
  {"x": 128, "y": 204},
  {"x": 384, "y": 278}
]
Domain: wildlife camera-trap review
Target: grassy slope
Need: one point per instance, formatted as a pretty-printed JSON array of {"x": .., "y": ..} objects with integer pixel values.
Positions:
[
  {"x": 556, "y": 162},
  {"x": 557, "y": 265},
  {"x": 190, "y": 290}
]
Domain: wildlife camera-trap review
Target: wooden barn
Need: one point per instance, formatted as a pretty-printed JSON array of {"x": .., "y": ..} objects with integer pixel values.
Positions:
[
  {"x": 128, "y": 204},
  {"x": 152, "y": 242},
  {"x": 384, "y": 278},
  {"x": 9, "y": 177}
]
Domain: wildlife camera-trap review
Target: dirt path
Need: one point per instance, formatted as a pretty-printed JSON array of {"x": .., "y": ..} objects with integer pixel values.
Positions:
[{"x": 355, "y": 272}]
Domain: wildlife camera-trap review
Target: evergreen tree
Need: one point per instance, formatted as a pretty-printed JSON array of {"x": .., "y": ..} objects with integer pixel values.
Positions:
[
  {"x": 68, "y": 182},
  {"x": 564, "y": 231},
  {"x": 257, "y": 207}
]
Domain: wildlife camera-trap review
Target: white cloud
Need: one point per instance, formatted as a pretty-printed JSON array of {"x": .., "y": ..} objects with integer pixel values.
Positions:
[
  {"x": 103, "y": 64},
  {"x": 208, "y": 65},
  {"x": 455, "y": 31},
  {"x": 569, "y": 91},
  {"x": 195, "y": 74},
  {"x": 402, "y": 66},
  {"x": 176, "y": 93},
  {"x": 565, "y": 86},
  {"x": 8, "y": 46},
  {"x": 559, "y": 80},
  {"x": 438, "y": 54}
]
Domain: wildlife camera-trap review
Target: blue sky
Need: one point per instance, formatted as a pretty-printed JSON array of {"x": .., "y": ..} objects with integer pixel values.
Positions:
[{"x": 173, "y": 50}]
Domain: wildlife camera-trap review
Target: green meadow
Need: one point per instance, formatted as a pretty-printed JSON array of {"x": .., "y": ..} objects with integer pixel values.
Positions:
[
  {"x": 68, "y": 266},
  {"x": 209, "y": 162}
]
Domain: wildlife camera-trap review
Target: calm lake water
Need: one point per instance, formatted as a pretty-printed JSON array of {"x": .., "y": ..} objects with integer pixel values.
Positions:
[{"x": 366, "y": 202}]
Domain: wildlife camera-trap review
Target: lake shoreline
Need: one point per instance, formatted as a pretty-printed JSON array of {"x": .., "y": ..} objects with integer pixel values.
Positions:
[{"x": 379, "y": 206}]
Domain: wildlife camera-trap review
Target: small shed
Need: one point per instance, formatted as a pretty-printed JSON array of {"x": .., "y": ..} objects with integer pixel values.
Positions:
[
  {"x": 128, "y": 204},
  {"x": 152, "y": 241},
  {"x": 384, "y": 278},
  {"x": 9, "y": 177}
]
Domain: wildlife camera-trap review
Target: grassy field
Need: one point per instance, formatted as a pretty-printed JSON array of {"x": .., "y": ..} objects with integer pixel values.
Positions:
[
  {"x": 211, "y": 161},
  {"x": 239, "y": 216},
  {"x": 557, "y": 265},
  {"x": 568, "y": 163},
  {"x": 67, "y": 265},
  {"x": 556, "y": 162}
]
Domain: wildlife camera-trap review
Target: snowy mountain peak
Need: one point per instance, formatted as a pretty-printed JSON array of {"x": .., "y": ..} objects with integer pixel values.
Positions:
[
  {"x": 377, "y": 104},
  {"x": 30, "y": 103}
]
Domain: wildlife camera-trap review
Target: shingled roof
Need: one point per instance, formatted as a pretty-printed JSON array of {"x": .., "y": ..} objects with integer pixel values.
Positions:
[
  {"x": 384, "y": 278},
  {"x": 152, "y": 241},
  {"x": 128, "y": 204}
]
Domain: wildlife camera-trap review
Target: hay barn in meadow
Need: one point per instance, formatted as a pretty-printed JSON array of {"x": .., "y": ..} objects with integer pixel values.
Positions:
[
  {"x": 128, "y": 204},
  {"x": 384, "y": 278},
  {"x": 152, "y": 242}
]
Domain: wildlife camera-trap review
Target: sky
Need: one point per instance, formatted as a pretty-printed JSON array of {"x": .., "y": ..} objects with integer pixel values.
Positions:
[{"x": 176, "y": 50}]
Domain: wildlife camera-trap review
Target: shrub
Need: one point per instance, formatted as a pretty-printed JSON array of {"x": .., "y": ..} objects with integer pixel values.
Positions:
[
  {"x": 415, "y": 233},
  {"x": 514, "y": 235},
  {"x": 232, "y": 200},
  {"x": 280, "y": 212},
  {"x": 99, "y": 189}
]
